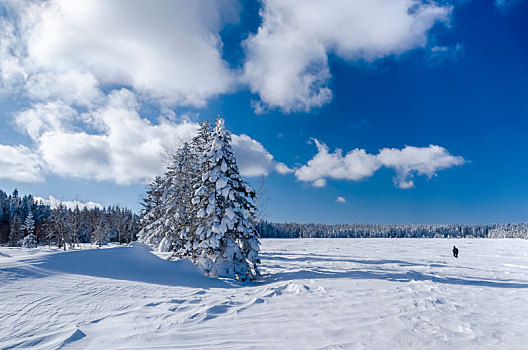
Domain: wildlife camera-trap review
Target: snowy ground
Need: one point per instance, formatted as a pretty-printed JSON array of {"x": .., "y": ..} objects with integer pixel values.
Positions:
[{"x": 315, "y": 294}]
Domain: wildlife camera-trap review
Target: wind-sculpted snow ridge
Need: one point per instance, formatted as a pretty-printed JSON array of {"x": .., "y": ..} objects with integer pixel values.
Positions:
[{"x": 313, "y": 294}]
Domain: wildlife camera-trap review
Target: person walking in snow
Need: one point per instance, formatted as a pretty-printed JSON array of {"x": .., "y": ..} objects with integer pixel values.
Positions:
[{"x": 455, "y": 252}]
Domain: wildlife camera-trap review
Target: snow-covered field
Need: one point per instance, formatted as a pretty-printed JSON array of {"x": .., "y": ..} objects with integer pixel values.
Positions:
[{"x": 314, "y": 294}]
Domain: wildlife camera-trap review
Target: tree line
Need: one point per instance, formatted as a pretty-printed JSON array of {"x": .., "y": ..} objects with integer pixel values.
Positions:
[
  {"x": 312, "y": 230},
  {"x": 26, "y": 222}
]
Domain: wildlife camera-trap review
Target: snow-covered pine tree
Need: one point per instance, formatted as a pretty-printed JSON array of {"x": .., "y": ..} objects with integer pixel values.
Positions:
[
  {"x": 177, "y": 203},
  {"x": 166, "y": 216},
  {"x": 202, "y": 209},
  {"x": 223, "y": 207},
  {"x": 99, "y": 233},
  {"x": 166, "y": 219},
  {"x": 200, "y": 146},
  {"x": 29, "y": 224},
  {"x": 151, "y": 232},
  {"x": 29, "y": 241},
  {"x": 15, "y": 233}
]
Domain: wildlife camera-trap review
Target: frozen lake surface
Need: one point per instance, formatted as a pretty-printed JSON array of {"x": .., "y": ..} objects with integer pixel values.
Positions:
[{"x": 314, "y": 294}]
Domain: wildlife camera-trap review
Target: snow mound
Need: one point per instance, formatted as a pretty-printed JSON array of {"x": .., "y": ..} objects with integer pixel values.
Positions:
[
  {"x": 134, "y": 264},
  {"x": 141, "y": 245},
  {"x": 54, "y": 340}
]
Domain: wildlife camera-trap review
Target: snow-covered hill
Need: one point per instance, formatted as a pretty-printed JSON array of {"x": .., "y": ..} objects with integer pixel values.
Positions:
[{"x": 314, "y": 294}]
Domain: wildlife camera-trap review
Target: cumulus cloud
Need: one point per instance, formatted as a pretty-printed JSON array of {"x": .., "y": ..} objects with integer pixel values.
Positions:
[
  {"x": 171, "y": 51},
  {"x": 18, "y": 163},
  {"x": 319, "y": 182},
  {"x": 287, "y": 59},
  {"x": 12, "y": 73},
  {"x": 74, "y": 88},
  {"x": 55, "y": 203},
  {"x": 88, "y": 67},
  {"x": 420, "y": 160},
  {"x": 165, "y": 50},
  {"x": 358, "y": 164},
  {"x": 340, "y": 199},
  {"x": 253, "y": 159},
  {"x": 282, "y": 168},
  {"x": 123, "y": 147},
  {"x": 42, "y": 117},
  {"x": 355, "y": 165}
]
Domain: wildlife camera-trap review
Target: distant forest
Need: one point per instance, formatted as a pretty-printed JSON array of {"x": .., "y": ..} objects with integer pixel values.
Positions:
[
  {"x": 26, "y": 222},
  {"x": 23, "y": 221},
  {"x": 292, "y": 230}
]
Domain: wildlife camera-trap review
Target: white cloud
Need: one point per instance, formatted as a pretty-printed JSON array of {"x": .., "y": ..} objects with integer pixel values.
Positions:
[
  {"x": 166, "y": 50},
  {"x": 123, "y": 147},
  {"x": 55, "y": 203},
  {"x": 42, "y": 117},
  {"x": 19, "y": 163},
  {"x": 282, "y": 168},
  {"x": 319, "y": 183},
  {"x": 287, "y": 59},
  {"x": 440, "y": 54},
  {"x": 340, "y": 199},
  {"x": 171, "y": 51},
  {"x": 72, "y": 88},
  {"x": 68, "y": 56},
  {"x": 11, "y": 71},
  {"x": 358, "y": 164},
  {"x": 420, "y": 160},
  {"x": 355, "y": 165},
  {"x": 253, "y": 159}
]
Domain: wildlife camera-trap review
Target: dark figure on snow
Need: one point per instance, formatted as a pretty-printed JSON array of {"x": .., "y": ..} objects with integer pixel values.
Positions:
[{"x": 455, "y": 252}]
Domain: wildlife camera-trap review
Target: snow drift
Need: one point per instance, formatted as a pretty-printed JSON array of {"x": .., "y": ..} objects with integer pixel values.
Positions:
[
  {"x": 133, "y": 263},
  {"x": 313, "y": 294}
]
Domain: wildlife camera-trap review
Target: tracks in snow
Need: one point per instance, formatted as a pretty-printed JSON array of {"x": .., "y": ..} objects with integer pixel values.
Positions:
[{"x": 315, "y": 294}]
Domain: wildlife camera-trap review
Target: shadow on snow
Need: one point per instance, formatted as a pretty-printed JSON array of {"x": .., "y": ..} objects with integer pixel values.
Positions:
[
  {"x": 139, "y": 265},
  {"x": 122, "y": 263},
  {"x": 357, "y": 272}
]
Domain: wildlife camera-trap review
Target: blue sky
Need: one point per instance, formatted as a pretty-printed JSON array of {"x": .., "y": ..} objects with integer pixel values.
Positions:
[{"x": 426, "y": 101}]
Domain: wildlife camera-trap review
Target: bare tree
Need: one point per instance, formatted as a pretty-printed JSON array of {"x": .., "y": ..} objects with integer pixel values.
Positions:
[
  {"x": 94, "y": 218},
  {"x": 122, "y": 224},
  {"x": 261, "y": 201},
  {"x": 170, "y": 150},
  {"x": 76, "y": 221},
  {"x": 60, "y": 225}
]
